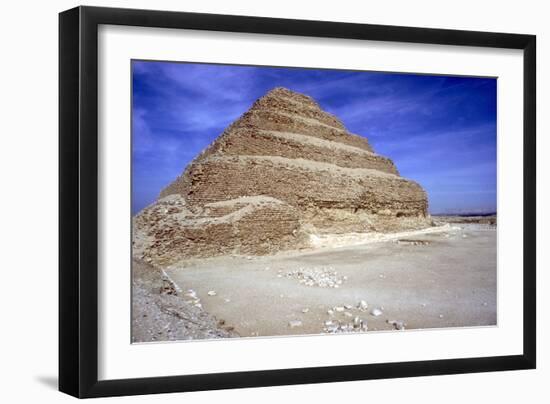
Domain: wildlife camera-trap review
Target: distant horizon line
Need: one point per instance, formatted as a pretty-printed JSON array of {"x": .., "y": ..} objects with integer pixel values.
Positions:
[{"x": 468, "y": 213}]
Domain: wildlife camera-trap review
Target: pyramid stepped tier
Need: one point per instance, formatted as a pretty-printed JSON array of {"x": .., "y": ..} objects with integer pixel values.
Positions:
[
  {"x": 284, "y": 171},
  {"x": 252, "y": 141},
  {"x": 301, "y": 183},
  {"x": 167, "y": 231},
  {"x": 316, "y": 123},
  {"x": 316, "y": 189}
]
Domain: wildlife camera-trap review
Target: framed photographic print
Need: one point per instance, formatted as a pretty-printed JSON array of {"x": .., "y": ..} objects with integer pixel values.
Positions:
[{"x": 268, "y": 201}]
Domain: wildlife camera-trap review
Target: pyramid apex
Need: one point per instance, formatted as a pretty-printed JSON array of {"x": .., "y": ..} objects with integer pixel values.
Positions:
[{"x": 281, "y": 90}]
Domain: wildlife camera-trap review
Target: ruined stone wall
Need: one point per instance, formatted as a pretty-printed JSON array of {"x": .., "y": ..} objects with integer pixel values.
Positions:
[{"x": 167, "y": 231}]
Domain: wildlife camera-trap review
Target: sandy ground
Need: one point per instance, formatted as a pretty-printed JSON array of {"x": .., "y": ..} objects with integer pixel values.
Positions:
[
  {"x": 159, "y": 313},
  {"x": 448, "y": 282}
]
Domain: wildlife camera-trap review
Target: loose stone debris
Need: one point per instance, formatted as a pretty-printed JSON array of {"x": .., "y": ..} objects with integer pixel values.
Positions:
[
  {"x": 191, "y": 293},
  {"x": 397, "y": 324},
  {"x": 294, "y": 323},
  {"x": 357, "y": 325},
  {"x": 168, "y": 288},
  {"x": 362, "y": 305},
  {"x": 324, "y": 277},
  {"x": 376, "y": 312},
  {"x": 191, "y": 297},
  {"x": 412, "y": 242}
]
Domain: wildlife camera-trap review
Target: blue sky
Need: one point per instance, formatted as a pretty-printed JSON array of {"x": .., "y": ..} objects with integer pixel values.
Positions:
[{"x": 439, "y": 130}]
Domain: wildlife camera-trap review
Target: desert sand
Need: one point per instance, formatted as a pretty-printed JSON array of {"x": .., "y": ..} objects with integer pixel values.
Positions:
[{"x": 425, "y": 279}]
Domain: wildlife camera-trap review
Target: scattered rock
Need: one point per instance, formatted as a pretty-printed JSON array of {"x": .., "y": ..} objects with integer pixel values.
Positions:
[
  {"x": 376, "y": 312},
  {"x": 167, "y": 288},
  {"x": 320, "y": 277},
  {"x": 397, "y": 324},
  {"x": 294, "y": 323},
  {"x": 356, "y": 325},
  {"x": 191, "y": 294},
  {"x": 362, "y": 305},
  {"x": 413, "y": 242}
]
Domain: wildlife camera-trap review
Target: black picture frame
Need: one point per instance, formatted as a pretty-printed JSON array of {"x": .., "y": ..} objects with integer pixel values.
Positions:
[{"x": 78, "y": 201}]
